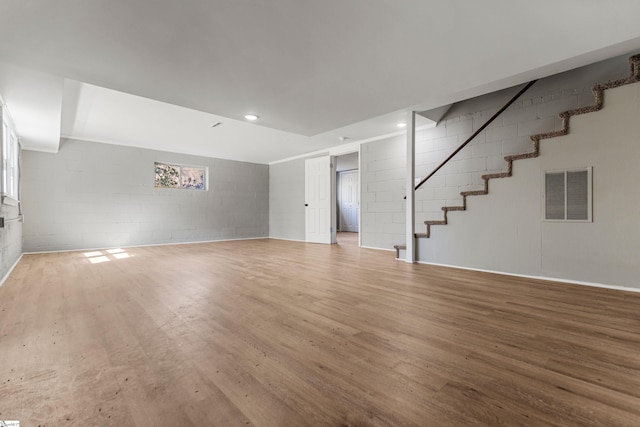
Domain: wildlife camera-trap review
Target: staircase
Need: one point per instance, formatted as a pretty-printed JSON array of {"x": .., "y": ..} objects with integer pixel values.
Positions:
[{"x": 565, "y": 116}]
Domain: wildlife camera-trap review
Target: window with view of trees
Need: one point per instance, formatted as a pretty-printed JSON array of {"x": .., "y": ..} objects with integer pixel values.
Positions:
[{"x": 179, "y": 176}]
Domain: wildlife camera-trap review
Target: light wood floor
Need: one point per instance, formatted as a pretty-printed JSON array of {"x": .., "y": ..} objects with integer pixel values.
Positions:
[{"x": 277, "y": 333}]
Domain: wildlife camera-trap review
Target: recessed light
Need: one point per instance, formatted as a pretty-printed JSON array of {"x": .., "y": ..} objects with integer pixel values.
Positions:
[
  {"x": 401, "y": 125},
  {"x": 251, "y": 117}
]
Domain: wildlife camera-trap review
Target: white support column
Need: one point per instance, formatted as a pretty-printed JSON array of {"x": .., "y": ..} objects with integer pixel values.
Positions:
[{"x": 411, "y": 192}]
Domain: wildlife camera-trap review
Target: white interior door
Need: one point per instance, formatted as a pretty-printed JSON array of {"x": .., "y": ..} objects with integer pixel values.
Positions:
[
  {"x": 348, "y": 201},
  {"x": 320, "y": 208}
]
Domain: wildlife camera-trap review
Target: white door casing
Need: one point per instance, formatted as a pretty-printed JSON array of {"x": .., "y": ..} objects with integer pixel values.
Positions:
[{"x": 320, "y": 207}]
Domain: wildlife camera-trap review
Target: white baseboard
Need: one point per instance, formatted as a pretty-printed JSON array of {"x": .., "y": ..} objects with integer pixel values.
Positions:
[
  {"x": 287, "y": 240},
  {"x": 526, "y": 276},
  {"x": 378, "y": 249}
]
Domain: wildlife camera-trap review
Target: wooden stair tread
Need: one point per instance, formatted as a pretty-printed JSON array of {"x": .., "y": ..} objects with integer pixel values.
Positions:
[
  {"x": 496, "y": 175},
  {"x": 521, "y": 156},
  {"x": 473, "y": 193}
]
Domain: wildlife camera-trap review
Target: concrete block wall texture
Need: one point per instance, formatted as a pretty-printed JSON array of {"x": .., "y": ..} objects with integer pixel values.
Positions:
[
  {"x": 92, "y": 195},
  {"x": 10, "y": 240},
  {"x": 382, "y": 192}
]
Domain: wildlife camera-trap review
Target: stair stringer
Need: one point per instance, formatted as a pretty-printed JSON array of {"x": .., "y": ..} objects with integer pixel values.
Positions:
[{"x": 565, "y": 116}]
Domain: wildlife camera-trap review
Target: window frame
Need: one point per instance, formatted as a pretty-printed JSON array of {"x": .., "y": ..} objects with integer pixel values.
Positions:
[
  {"x": 9, "y": 159},
  {"x": 589, "y": 170},
  {"x": 180, "y": 185}
]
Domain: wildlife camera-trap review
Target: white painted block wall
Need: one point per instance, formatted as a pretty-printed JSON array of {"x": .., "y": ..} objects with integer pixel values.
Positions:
[
  {"x": 92, "y": 195},
  {"x": 536, "y": 111},
  {"x": 504, "y": 230},
  {"x": 382, "y": 192}
]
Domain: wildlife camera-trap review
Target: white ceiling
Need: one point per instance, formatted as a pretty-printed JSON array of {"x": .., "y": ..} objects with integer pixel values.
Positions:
[{"x": 158, "y": 73}]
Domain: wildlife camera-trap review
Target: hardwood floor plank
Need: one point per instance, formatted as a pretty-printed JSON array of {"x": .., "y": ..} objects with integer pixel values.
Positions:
[{"x": 273, "y": 333}]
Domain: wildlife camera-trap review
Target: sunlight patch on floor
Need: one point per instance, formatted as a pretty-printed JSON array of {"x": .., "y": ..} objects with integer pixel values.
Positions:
[{"x": 97, "y": 257}]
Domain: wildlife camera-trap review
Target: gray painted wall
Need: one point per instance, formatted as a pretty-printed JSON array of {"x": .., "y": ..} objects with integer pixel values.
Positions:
[
  {"x": 382, "y": 188},
  {"x": 504, "y": 231},
  {"x": 92, "y": 195},
  {"x": 286, "y": 200},
  {"x": 536, "y": 111},
  {"x": 10, "y": 240}
]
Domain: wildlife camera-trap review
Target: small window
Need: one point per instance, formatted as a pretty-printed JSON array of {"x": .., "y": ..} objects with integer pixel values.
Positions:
[
  {"x": 10, "y": 158},
  {"x": 567, "y": 195},
  {"x": 178, "y": 176}
]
